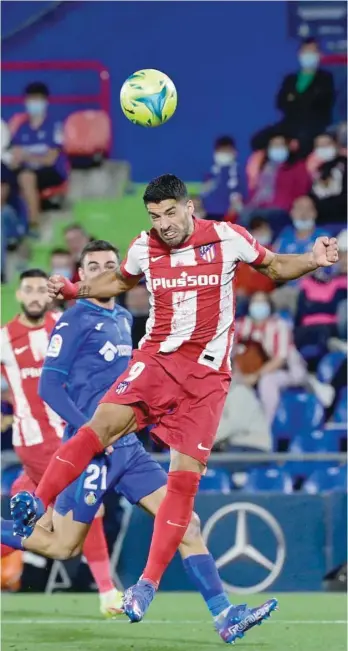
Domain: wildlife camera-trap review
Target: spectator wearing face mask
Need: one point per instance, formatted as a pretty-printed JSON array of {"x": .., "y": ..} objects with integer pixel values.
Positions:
[
  {"x": 282, "y": 366},
  {"x": 76, "y": 239},
  {"x": 221, "y": 191},
  {"x": 249, "y": 280},
  {"x": 36, "y": 155},
  {"x": 305, "y": 99},
  {"x": 297, "y": 238},
  {"x": 329, "y": 188},
  {"x": 280, "y": 181},
  {"x": 61, "y": 263}
]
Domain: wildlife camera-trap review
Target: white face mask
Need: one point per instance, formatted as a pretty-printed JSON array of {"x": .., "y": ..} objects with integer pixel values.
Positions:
[
  {"x": 259, "y": 311},
  {"x": 309, "y": 60},
  {"x": 326, "y": 153},
  {"x": 223, "y": 158},
  {"x": 264, "y": 239}
]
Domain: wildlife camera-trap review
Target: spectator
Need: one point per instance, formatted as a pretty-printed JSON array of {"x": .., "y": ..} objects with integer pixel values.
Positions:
[
  {"x": 221, "y": 191},
  {"x": 198, "y": 207},
  {"x": 76, "y": 239},
  {"x": 249, "y": 280},
  {"x": 137, "y": 302},
  {"x": 297, "y": 238},
  {"x": 305, "y": 98},
  {"x": 37, "y": 159},
  {"x": 279, "y": 365},
  {"x": 61, "y": 263},
  {"x": 280, "y": 181},
  {"x": 317, "y": 311},
  {"x": 329, "y": 188}
]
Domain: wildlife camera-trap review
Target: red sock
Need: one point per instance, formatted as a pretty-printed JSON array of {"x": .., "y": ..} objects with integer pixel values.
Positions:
[
  {"x": 6, "y": 550},
  {"x": 68, "y": 463},
  {"x": 171, "y": 522},
  {"x": 96, "y": 552}
]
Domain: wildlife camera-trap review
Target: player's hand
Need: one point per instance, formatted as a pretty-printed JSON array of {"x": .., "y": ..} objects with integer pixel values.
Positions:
[
  {"x": 325, "y": 251},
  {"x": 62, "y": 288}
]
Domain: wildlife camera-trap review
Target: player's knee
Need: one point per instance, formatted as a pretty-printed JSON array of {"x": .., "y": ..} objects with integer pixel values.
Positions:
[{"x": 193, "y": 531}]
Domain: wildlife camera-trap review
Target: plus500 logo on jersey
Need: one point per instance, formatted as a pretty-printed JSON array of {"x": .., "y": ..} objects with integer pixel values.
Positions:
[
  {"x": 203, "y": 280},
  {"x": 30, "y": 372}
]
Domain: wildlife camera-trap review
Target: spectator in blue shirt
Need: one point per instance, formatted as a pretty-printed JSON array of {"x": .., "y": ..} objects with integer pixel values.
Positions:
[
  {"x": 221, "y": 191},
  {"x": 37, "y": 158},
  {"x": 297, "y": 238}
]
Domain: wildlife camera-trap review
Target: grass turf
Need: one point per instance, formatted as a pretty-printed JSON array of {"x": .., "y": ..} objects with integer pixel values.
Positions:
[{"x": 305, "y": 622}]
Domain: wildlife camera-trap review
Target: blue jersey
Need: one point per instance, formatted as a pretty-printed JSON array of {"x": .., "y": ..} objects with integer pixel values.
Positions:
[
  {"x": 89, "y": 348},
  {"x": 289, "y": 242},
  {"x": 49, "y": 135}
]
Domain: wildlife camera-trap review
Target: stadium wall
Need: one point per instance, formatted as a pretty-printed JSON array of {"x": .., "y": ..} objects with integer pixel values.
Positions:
[{"x": 227, "y": 60}]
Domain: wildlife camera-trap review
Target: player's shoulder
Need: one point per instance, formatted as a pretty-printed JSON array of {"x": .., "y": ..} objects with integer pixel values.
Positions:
[
  {"x": 141, "y": 240},
  {"x": 74, "y": 315},
  {"x": 10, "y": 330}
]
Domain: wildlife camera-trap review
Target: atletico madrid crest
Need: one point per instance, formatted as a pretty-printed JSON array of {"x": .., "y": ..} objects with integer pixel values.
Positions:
[{"x": 207, "y": 252}]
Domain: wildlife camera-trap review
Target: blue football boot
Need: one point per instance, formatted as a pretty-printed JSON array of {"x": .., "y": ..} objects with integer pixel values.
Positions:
[
  {"x": 25, "y": 511},
  {"x": 240, "y": 619},
  {"x": 137, "y": 599}
]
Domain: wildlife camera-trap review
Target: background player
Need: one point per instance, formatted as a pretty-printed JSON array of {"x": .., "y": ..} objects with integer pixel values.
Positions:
[
  {"x": 91, "y": 345},
  {"x": 37, "y": 429},
  {"x": 179, "y": 379}
]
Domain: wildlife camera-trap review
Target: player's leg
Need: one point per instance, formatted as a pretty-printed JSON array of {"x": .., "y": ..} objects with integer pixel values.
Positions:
[{"x": 27, "y": 183}]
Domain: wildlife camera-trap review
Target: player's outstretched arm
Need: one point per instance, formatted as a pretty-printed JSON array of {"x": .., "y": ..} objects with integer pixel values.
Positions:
[
  {"x": 106, "y": 285},
  {"x": 288, "y": 267}
]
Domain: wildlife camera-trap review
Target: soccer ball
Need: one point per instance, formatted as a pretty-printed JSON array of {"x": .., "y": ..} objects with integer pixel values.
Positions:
[{"x": 148, "y": 98}]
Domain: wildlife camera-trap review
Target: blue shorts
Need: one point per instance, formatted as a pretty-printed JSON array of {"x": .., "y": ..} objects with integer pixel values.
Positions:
[{"x": 129, "y": 470}]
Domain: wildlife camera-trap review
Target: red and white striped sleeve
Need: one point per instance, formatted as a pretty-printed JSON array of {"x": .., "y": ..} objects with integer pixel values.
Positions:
[
  {"x": 247, "y": 248},
  {"x": 131, "y": 265},
  {"x": 282, "y": 339}
]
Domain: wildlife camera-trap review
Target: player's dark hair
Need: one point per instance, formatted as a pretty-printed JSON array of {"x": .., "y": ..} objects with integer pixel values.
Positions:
[
  {"x": 33, "y": 273},
  {"x": 225, "y": 141},
  {"x": 165, "y": 187},
  {"x": 308, "y": 41},
  {"x": 37, "y": 88},
  {"x": 98, "y": 245},
  {"x": 59, "y": 251}
]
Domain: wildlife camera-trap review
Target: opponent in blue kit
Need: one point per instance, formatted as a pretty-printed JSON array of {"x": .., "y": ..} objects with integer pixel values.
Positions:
[{"x": 90, "y": 346}]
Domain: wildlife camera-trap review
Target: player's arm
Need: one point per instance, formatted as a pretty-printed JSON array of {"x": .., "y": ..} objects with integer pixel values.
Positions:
[
  {"x": 284, "y": 267},
  {"x": 65, "y": 344}
]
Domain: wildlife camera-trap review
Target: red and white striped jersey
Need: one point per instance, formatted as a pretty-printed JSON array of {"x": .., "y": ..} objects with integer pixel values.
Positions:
[
  {"x": 192, "y": 297},
  {"x": 23, "y": 350},
  {"x": 273, "y": 334}
]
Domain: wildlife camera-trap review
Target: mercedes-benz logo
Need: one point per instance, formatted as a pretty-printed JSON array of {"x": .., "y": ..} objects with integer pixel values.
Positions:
[{"x": 243, "y": 547}]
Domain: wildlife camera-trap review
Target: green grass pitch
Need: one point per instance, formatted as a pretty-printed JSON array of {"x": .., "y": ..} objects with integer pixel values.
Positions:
[{"x": 176, "y": 621}]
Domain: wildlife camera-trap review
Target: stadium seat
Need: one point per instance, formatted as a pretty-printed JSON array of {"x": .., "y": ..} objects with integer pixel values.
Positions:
[
  {"x": 332, "y": 478},
  {"x": 338, "y": 436},
  {"x": 87, "y": 134},
  {"x": 340, "y": 413},
  {"x": 329, "y": 365},
  {"x": 310, "y": 441},
  {"x": 16, "y": 121},
  {"x": 215, "y": 481},
  {"x": 272, "y": 479},
  {"x": 59, "y": 191},
  {"x": 8, "y": 476},
  {"x": 298, "y": 413}
]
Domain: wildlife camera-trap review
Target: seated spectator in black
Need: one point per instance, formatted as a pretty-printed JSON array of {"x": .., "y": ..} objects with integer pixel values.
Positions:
[
  {"x": 281, "y": 180},
  {"x": 329, "y": 188},
  {"x": 305, "y": 98},
  {"x": 137, "y": 302},
  {"x": 37, "y": 158},
  {"x": 221, "y": 191},
  {"x": 76, "y": 239},
  {"x": 316, "y": 320}
]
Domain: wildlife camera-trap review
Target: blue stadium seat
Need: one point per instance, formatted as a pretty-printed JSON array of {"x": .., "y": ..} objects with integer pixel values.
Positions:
[
  {"x": 332, "y": 478},
  {"x": 8, "y": 476},
  {"x": 215, "y": 481},
  {"x": 329, "y": 365},
  {"x": 270, "y": 479},
  {"x": 338, "y": 436},
  {"x": 311, "y": 441},
  {"x": 340, "y": 413},
  {"x": 298, "y": 413}
]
